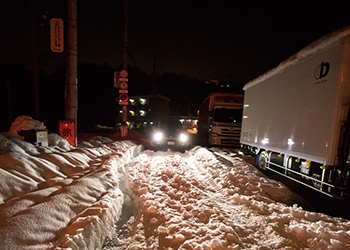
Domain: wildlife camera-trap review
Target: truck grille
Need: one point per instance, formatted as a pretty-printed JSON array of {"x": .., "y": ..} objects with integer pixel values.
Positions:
[
  {"x": 228, "y": 136},
  {"x": 230, "y": 132}
]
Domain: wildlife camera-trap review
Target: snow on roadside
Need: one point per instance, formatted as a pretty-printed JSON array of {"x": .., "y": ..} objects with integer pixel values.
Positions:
[
  {"x": 59, "y": 197},
  {"x": 193, "y": 201}
]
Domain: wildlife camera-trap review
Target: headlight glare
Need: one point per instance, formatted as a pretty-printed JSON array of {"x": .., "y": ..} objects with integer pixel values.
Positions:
[
  {"x": 158, "y": 136},
  {"x": 183, "y": 138}
]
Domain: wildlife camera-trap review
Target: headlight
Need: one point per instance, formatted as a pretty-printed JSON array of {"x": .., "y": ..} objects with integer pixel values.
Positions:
[
  {"x": 158, "y": 136},
  {"x": 183, "y": 138}
]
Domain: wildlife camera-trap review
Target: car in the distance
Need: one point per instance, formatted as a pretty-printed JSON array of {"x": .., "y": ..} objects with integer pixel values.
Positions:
[{"x": 170, "y": 134}]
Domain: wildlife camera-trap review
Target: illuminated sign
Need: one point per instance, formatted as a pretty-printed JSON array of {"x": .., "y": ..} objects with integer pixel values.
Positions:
[{"x": 67, "y": 131}]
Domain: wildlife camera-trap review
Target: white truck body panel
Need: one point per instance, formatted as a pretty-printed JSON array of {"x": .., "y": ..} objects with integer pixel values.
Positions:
[{"x": 288, "y": 110}]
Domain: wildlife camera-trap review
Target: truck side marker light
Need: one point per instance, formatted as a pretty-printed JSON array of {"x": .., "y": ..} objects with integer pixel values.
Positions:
[
  {"x": 297, "y": 160},
  {"x": 265, "y": 141},
  {"x": 279, "y": 155},
  {"x": 308, "y": 163},
  {"x": 290, "y": 142},
  {"x": 323, "y": 167}
]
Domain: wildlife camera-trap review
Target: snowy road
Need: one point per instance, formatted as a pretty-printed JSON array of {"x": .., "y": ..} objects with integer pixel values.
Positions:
[
  {"x": 108, "y": 194},
  {"x": 195, "y": 201}
]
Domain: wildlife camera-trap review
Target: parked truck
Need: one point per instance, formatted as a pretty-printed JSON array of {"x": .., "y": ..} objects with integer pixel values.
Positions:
[
  {"x": 219, "y": 119},
  {"x": 296, "y": 116}
]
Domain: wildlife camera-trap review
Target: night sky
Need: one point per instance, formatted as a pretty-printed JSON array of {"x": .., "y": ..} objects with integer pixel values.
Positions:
[{"x": 220, "y": 40}]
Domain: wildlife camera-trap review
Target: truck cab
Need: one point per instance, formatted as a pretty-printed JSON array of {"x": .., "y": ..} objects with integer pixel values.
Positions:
[{"x": 219, "y": 119}]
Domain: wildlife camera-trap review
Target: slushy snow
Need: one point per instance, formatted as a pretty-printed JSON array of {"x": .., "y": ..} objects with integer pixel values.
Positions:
[{"x": 60, "y": 197}]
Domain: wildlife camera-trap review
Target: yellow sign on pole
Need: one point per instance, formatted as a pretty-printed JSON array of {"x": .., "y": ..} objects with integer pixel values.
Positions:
[{"x": 57, "y": 35}]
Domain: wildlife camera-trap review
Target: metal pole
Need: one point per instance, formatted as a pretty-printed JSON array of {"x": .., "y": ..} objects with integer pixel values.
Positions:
[
  {"x": 124, "y": 126},
  {"x": 71, "y": 77},
  {"x": 35, "y": 64},
  {"x": 125, "y": 51}
]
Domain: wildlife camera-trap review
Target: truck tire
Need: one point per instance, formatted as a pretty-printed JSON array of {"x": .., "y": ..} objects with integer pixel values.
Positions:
[{"x": 263, "y": 161}]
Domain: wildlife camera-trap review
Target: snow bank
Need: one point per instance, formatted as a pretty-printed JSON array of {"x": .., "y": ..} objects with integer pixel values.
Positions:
[
  {"x": 25, "y": 123},
  {"x": 59, "y": 197},
  {"x": 194, "y": 201}
]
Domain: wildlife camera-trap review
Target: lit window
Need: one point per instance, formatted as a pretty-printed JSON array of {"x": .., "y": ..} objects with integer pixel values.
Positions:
[
  {"x": 132, "y": 113},
  {"x": 142, "y": 113},
  {"x": 143, "y": 101}
]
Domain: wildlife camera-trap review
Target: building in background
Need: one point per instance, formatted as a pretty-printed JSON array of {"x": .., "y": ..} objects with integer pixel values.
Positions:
[{"x": 144, "y": 111}]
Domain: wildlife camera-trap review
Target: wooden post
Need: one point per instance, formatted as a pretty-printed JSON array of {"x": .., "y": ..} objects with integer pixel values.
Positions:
[{"x": 71, "y": 104}]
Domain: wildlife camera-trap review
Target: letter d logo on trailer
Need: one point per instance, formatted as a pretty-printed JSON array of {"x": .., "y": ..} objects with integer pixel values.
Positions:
[{"x": 322, "y": 70}]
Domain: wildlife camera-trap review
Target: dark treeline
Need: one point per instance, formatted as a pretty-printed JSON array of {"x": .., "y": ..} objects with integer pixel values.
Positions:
[{"x": 96, "y": 93}]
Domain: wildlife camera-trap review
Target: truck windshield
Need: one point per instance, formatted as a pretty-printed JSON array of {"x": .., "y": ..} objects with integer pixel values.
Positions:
[{"x": 227, "y": 115}]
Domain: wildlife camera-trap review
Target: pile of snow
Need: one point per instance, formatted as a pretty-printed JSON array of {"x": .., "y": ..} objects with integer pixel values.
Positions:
[
  {"x": 25, "y": 123},
  {"x": 194, "y": 201},
  {"x": 59, "y": 197}
]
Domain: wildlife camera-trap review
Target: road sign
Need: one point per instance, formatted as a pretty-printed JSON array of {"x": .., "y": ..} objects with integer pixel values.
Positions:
[
  {"x": 116, "y": 79},
  {"x": 67, "y": 131},
  {"x": 124, "y": 85},
  {"x": 123, "y": 73},
  {"x": 124, "y": 91},
  {"x": 57, "y": 35},
  {"x": 123, "y": 97}
]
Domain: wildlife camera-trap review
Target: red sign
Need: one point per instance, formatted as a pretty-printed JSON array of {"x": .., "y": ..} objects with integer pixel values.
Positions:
[
  {"x": 124, "y": 85},
  {"x": 123, "y": 73},
  {"x": 123, "y": 97},
  {"x": 67, "y": 131}
]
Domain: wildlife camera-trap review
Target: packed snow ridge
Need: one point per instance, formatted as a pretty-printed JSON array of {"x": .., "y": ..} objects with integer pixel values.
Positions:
[{"x": 60, "y": 197}]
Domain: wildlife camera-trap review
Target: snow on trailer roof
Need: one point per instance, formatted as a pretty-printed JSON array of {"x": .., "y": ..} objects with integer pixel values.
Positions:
[{"x": 312, "y": 48}]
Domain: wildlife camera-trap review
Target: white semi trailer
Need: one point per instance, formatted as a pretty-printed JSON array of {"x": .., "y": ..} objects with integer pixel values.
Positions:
[{"x": 296, "y": 116}]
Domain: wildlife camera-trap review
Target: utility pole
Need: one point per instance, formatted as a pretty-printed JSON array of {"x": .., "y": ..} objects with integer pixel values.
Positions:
[
  {"x": 35, "y": 64},
  {"x": 154, "y": 83},
  {"x": 71, "y": 98},
  {"x": 124, "y": 126}
]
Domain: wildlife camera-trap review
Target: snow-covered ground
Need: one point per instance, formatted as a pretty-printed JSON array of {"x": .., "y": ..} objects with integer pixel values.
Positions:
[{"x": 59, "y": 197}]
